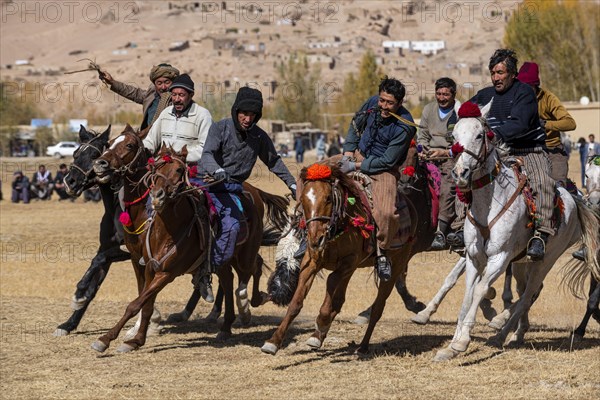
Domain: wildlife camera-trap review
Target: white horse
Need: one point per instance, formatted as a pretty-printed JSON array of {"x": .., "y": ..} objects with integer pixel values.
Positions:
[
  {"x": 496, "y": 233},
  {"x": 592, "y": 181}
]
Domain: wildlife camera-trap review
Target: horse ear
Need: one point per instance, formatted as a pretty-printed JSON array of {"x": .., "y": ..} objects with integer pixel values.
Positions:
[
  {"x": 163, "y": 148},
  {"x": 486, "y": 109},
  {"x": 184, "y": 151},
  {"x": 144, "y": 132},
  {"x": 128, "y": 128},
  {"x": 106, "y": 134},
  {"x": 84, "y": 135}
]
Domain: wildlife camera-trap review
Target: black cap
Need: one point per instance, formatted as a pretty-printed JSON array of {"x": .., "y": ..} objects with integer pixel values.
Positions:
[{"x": 183, "y": 81}]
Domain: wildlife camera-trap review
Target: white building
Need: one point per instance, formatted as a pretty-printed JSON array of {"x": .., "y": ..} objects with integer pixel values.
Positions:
[{"x": 427, "y": 46}]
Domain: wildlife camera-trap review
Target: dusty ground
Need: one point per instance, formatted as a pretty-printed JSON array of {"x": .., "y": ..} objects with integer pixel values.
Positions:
[{"x": 46, "y": 247}]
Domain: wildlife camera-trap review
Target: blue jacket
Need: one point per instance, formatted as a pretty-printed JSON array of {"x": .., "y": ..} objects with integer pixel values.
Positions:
[{"x": 384, "y": 142}]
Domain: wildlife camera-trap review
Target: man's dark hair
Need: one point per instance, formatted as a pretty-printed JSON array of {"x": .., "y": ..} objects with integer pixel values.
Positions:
[
  {"x": 393, "y": 87},
  {"x": 61, "y": 166},
  {"x": 509, "y": 57},
  {"x": 446, "y": 83}
]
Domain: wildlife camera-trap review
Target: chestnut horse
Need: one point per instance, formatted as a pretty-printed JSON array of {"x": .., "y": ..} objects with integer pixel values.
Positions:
[
  {"x": 339, "y": 239},
  {"x": 175, "y": 235}
]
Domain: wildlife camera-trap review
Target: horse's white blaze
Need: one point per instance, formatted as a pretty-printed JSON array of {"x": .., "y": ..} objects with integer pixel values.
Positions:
[
  {"x": 117, "y": 141},
  {"x": 312, "y": 197}
]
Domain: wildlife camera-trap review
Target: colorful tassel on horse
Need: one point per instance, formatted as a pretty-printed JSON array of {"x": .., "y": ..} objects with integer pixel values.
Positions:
[{"x": 125, "y": 219}]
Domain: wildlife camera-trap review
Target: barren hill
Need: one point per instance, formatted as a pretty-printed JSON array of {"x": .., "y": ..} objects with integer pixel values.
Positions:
[{"x": 230, "y": 43}]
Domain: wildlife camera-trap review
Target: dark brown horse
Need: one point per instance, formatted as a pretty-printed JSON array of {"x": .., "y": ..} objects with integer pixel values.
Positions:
[
  {"x": 338, "y": 240},
  {"x": 177, "y": 241}
]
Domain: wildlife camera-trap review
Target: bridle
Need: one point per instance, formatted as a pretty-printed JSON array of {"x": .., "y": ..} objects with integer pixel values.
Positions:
[
  {"x": 83, "y": 147},
  {"x": 482, "y": 155},
  {"x": 150, "y": 178},
  {"x": 337, "y": 210},
  {"x": 130, "y": 168}
]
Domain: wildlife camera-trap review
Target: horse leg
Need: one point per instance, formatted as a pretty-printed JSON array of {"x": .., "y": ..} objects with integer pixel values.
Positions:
[
  {"x": 410, "y": 302},
  {"x": 335, "y": 296},
  {"x": 217, "y": 308},
  {"x": 424, "y": 315},
  {"x": 533, "y": 284},
  {"x": 507, "y": 296},
  {"x": 187, "y": 312},
  {"x": 385, "y": 288},
  {"x": 592, "y": 307},
  {"x": 226, "y": 281},
  {"x": 305, "y": 280},
  {"x": 242, "y": 303},
  {"x": 155, "y": 285},
  {"x": 477, "y": 286},
  {"x": 258, "y": 298},
  {"x": 139, "y": 339},
  {"x": 521, "y": 273},
  {"x": 88, "y": 287}
]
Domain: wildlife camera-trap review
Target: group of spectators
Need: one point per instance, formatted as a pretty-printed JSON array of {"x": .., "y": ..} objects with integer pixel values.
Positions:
[{"x": 42, "y": 185}]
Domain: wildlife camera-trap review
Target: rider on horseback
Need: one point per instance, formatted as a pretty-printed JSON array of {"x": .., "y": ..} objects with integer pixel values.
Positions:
[
  {"x": 514, "y": 119},
  {"x": 378, "y": 151},
  {"x": 183, "y": 123},
  {"x": 154, "y": 99},
  {"x": 231, "y": 150}
]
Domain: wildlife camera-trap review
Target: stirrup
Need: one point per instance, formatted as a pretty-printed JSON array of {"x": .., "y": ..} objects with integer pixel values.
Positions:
[{"x": 538, "y": 236}]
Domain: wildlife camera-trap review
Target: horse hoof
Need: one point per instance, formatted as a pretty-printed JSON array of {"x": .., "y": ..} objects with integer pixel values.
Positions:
[
  {"x": 495, "y": 341},
  {"x": 178, "y": 317},
  {"x": 577, "y": 338},
  {"x": 269, "y": 348},
  {"x": 515, "y": 343},
  {"x": 221, "y": 336},
  {"x": 99, "y": 346},
  {"x": 314, "y": 343},
  {"x": 459, "y": 346},
  {"x": 420, "y": 319},
  {"x": 361, "y": 320},
  {"x": 445, "y": 354},
  {"x": 491, "y": 294},
  {"x": 362, "y": 351},
  {"x": 126, "y": 348},
  {"x": 60, "y": 332},
  {"x": 77, "y": 303},
  {"x": 416, "y": 307},
  {"x": 246, "y": 318},
  {"x": 497, "y": 322}
]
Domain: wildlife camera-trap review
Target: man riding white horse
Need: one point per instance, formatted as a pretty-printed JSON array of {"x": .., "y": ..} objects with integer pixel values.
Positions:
[{"x": 514, "y": 119}]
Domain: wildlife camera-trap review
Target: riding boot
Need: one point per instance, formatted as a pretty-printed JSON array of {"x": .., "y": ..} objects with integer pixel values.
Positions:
[
  {"x": 202, "y": 281},
  {"x": 536, "y": 248},
  {"x": 439, "y": 240},
  {"x": 456, "y": 239},
  {"x": 299, "y": 254},
  {"x": 580, "y": 254},
  {"x": 383, "y": 266}
]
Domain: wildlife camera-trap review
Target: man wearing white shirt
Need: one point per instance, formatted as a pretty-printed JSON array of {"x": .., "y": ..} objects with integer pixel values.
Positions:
[{"x": 183, "y": 123}]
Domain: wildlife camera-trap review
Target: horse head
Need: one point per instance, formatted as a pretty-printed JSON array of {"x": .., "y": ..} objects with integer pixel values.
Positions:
[
  {"x": 81, "y": 175},
  {"x": 125, "y": 156},
  {"x": 324, "y": 192},
  {"x": 168, "y": 176},
  {"x": 592, "y": 181},
  {"x": 472, "y": 143}
]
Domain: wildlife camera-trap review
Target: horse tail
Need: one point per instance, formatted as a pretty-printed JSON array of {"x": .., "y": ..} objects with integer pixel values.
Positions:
[
  {"x": 277, "y": 207},
  {"x": 575, "y": 271},
  {"x": 283, "y": 282}
]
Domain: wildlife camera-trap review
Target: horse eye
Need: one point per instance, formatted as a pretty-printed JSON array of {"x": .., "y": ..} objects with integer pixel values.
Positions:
[
  {"x": 130, "y": 146},
  {"x": 479, "y": 136},
  {"x": 180, "y": 170}
]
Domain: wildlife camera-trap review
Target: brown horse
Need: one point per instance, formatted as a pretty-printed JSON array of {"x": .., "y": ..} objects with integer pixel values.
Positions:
[
  {"x": 174, "y": 238},
  {"x": 338, "y": 239}
]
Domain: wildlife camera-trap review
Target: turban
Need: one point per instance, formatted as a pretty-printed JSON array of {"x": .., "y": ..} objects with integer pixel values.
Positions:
[{"x": 163, "y": 71}]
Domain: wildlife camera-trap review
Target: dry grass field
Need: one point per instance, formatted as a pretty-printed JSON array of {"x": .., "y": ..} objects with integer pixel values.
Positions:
[{"x": 46, "y": 247}]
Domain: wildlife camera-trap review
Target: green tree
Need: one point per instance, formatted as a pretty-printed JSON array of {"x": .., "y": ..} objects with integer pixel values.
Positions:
[
  {"x": 298, "y": 92},
  {"x": 562, "y": 37}
]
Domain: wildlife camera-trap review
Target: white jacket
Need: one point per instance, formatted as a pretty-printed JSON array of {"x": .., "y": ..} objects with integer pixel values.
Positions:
[{"x": 190, "y": 129}]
